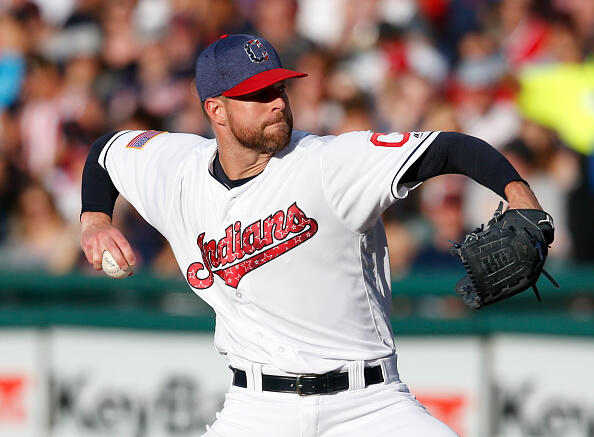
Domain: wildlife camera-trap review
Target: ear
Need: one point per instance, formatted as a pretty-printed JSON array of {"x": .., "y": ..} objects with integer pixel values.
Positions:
[{"x": 216, "y": 110}]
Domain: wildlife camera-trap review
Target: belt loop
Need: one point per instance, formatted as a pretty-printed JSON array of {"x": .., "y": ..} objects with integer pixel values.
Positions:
[
  {"x": 253, "y": 372},
  {"x": 389, "y": 367},
  {"x": 257, "y": 369},
  {"x": 356, "y": 375}
]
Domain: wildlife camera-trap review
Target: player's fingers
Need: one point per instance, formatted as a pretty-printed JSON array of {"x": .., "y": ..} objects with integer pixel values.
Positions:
[
  {"x": 111, "y": 246},
  {"x": 125, "y": 248},
  {"x": 91, "y": 243},
  {"x": 96, "y": 256},
  {"x": 88, "y": 243}
]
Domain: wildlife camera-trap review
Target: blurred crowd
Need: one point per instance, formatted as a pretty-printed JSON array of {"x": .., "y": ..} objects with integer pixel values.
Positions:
[{"x": 516, "y": 73}]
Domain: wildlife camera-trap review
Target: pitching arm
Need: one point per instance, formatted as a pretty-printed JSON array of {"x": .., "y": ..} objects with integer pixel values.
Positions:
[{"x": 99, "y": 195}]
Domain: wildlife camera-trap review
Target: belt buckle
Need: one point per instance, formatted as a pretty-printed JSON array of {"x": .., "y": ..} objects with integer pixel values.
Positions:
[{"x": 299, "y": 385}]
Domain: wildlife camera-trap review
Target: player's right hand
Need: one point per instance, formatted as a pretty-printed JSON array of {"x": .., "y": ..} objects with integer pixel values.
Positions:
[{"x": 98, "y": 235}]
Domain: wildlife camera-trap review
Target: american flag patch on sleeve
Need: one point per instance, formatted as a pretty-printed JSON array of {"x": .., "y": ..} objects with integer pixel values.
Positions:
[{"x": 140, "y": 140}]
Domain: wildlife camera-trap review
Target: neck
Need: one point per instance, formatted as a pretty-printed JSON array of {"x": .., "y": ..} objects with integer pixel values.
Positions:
[{"x": 238, "y": 161}]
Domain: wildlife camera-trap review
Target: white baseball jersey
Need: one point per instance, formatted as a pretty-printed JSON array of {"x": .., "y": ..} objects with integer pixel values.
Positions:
[{"x": 295, "y": 261}]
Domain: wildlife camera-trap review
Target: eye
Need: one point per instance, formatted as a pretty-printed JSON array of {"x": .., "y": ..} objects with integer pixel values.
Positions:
[
  {"x": 267, "y": 94},
  {"x": 260, "y": 95}
]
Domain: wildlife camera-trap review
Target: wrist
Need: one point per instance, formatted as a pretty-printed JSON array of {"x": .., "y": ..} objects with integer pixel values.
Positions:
[
  {"x": 520, "y": 196},
  {"x": 89, "y": 217}
]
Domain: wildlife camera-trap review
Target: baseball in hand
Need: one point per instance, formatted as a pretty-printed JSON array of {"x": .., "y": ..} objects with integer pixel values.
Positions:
[{"x": 111, "y": 268}]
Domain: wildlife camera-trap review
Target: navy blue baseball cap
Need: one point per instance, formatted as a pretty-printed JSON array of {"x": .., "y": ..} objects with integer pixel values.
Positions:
[{"x": 236, "y": 65}]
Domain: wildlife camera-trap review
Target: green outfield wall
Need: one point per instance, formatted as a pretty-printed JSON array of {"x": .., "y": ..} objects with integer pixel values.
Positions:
[{"x": 423, "y": 304}]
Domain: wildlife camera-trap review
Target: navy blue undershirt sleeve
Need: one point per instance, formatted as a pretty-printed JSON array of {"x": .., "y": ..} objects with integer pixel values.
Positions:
[
  {"x": 453, "y": 152},
  {"x": 98, "y": 192}
]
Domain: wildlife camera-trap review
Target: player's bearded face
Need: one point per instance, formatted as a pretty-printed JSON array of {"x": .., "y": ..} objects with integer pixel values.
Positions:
[{"x": 270, "y": 134}]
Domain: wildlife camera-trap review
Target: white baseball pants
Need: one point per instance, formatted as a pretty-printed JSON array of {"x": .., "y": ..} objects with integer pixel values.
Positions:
[{"x": 379, "y": 410}]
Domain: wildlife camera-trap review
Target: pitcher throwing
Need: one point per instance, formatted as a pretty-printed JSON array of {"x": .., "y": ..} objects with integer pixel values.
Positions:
[{"x": 280, "y": 232}]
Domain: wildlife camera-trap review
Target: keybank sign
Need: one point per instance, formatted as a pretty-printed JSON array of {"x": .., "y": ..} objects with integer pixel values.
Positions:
[{"x": 175, "y": 408}]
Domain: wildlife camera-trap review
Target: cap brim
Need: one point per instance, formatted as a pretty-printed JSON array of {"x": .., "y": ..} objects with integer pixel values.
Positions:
[{"x": 262, "y": 80}]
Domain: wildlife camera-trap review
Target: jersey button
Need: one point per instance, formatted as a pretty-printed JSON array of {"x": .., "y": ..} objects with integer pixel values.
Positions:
[
  {"x": 281, "y": 349},
  {"x": 238, "y": 295}
]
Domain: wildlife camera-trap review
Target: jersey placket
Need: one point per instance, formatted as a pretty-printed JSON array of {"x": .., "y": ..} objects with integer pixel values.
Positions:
[{"x": 230, "y": 216}]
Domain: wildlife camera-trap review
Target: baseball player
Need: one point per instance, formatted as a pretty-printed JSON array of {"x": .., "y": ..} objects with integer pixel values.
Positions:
[{"x": 280, "y": 232}]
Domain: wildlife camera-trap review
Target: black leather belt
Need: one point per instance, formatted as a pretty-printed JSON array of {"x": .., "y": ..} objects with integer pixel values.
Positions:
[{"x": 304, "y": 385}]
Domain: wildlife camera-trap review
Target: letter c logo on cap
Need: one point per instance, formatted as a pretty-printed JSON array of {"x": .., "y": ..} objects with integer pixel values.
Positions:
[{"x": 248, "y": 47}]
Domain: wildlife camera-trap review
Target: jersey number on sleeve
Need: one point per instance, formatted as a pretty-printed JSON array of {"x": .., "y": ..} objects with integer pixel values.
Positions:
[{"x": 402, "y": 142}]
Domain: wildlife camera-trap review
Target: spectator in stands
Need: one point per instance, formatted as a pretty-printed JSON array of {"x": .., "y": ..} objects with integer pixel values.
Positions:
[
  {"x": 11, "y": 179},
  {"x": 441, "y": 206},
  {"x": 39, "y": 238},
  {"x": 309, "y": 100},
  {"x": 521, "y": 31},
  {"x": 41, "y": 117},
  {"x": 12, "y": 62},
  {"x": 275, "y": 20},
  {"x": 405, "y": 101},
  {"x": 484, "y": 108}
]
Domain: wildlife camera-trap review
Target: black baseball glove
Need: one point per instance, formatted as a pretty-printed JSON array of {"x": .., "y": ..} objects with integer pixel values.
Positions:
[{"x": 506, "y": 258}]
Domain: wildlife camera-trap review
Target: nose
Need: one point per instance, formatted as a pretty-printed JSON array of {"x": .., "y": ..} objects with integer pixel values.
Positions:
[{"x": 279, "y": 103}]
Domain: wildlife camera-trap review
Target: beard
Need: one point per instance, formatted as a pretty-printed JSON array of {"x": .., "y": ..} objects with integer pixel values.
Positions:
[{"x": 269, "y": 138}]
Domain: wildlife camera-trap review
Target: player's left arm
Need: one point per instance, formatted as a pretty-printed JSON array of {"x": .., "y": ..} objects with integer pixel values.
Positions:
[
  {"x": 453, "y": 152},
  {"x": 506, "y": 256},
  {"x": 363, "y": 173},
  {"x": 522, "y": 234}
]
